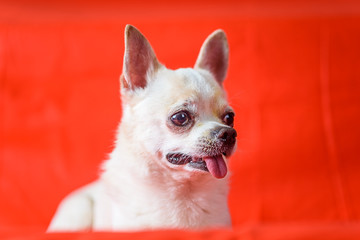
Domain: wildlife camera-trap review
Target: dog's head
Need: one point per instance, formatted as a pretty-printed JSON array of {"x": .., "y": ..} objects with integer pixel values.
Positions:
[{"x": 180, "y": 118}]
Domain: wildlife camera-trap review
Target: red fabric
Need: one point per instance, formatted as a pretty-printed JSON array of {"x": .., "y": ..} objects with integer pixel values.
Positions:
[
  {"x": 265, "y": 232},
  {"x": 294, "y": 81}
]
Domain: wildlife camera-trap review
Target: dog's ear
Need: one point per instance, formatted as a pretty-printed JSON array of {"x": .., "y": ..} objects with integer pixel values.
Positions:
[
  {"x": 139, "y": 60},
  {"x": 214, "y": 55}
]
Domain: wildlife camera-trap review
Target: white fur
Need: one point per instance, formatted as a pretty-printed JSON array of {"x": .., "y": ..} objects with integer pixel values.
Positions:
[{"x": 139, "y": 189}]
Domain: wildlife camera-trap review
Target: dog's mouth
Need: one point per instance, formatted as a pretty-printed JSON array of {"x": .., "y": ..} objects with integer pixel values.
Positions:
[{"x": 216, "y": 165}]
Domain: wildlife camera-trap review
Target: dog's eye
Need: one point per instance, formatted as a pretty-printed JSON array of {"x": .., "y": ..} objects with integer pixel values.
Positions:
[
  {"x": 229, "y": 119},
  {"x": 180, "y": 119}
]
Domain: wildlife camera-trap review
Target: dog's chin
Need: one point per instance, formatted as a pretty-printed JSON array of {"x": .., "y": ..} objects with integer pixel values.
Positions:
[{"x": 215, "y": 165}]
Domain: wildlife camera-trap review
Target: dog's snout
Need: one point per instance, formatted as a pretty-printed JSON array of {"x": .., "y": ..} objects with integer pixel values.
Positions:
[{"x": 226, "y": 135}]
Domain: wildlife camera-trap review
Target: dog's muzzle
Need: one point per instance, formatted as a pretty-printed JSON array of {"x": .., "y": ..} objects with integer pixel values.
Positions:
[{"x": 212, "y": 153}]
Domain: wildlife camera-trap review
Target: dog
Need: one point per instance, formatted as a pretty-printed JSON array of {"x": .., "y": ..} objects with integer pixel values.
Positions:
[{"x": 169, "y": 166}]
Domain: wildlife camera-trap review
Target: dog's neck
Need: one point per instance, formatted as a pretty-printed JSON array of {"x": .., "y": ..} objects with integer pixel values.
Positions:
[{"x": 149, "y": 187}]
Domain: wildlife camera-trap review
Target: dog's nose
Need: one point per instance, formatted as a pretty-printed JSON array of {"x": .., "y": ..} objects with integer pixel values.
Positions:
[{"x": 226, "y": 135}]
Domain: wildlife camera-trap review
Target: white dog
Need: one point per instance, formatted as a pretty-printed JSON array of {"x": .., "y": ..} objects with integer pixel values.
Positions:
[{"x": 169, "y": 166}]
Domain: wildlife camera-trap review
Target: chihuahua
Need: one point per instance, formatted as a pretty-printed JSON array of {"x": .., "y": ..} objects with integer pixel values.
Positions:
[{"x": 169, "y": 166}]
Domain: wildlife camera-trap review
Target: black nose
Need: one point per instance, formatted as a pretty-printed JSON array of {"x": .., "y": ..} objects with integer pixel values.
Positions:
[{"x": 226, "y": 135}]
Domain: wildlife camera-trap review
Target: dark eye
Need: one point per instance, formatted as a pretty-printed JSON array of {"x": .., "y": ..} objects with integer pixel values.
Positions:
[
  {"x": 229, "y": 119},
  {"x": 180, "y": 119}
]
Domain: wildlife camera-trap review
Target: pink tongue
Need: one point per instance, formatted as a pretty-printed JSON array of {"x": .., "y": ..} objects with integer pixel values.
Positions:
[{"x": 216, "y": 166}]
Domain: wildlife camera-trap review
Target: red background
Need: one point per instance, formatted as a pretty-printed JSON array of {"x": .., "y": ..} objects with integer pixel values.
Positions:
[{"x": 294, "y": 81}]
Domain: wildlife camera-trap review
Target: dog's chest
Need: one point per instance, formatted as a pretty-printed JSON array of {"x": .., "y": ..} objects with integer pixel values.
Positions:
[{"x": 148, "y": 209}]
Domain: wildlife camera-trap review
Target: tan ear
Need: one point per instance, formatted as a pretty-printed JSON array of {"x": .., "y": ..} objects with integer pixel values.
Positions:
[
  {"x": 139, "y": 60},
  {"x": 214, "y": 55}
]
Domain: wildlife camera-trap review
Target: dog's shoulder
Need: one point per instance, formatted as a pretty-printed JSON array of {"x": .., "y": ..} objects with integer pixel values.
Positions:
[{"x": 75, "y": 212}]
